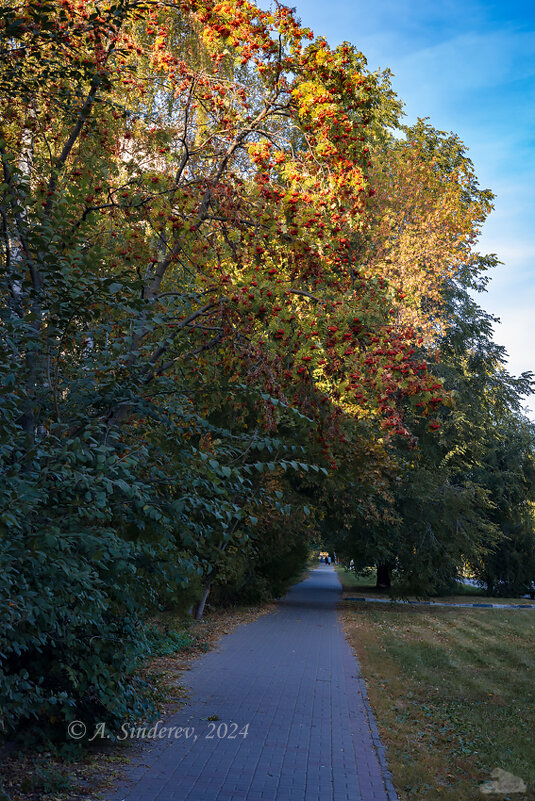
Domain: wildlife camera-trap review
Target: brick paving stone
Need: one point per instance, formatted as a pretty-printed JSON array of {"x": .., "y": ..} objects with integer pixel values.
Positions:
[{"x": 292, "y": 677}]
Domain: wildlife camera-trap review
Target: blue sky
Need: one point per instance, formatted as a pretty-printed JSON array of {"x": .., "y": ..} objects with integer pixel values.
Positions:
[{"x": 470, "y": 67}]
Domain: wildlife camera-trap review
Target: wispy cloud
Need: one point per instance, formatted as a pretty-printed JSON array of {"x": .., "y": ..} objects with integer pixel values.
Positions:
[
  {"x": 471, "y": 62},
  {"x": 516, "y": 332}
]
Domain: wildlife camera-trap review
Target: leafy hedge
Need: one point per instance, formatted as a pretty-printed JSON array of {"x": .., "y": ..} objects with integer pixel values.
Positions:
[{"x": 74, "y": 589}]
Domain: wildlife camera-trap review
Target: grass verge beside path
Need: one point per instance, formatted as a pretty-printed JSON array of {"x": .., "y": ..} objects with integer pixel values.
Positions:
[
  {"x": 361, "y": 585},
  {"x": 453, "y": 692}
]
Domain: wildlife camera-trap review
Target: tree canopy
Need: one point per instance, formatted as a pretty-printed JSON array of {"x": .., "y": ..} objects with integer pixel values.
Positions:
[{"x": 234, "y": 315}]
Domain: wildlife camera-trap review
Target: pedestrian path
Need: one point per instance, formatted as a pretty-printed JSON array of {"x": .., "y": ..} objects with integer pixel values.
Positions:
[
  {"x": 441, "y": 603},
  {"x": 277, "y": 713}
]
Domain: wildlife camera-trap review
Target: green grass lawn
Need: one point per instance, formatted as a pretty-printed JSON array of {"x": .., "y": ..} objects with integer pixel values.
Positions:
[
  {"x": 350, "y": 579},
  {"x": 453, "y": 691},
  {"x": 365, "y": 584}
]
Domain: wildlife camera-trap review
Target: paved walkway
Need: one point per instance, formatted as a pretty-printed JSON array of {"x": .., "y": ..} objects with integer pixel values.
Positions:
[
  {"x": 293, "y": 680},
  {"x": 441, "y": 603}
]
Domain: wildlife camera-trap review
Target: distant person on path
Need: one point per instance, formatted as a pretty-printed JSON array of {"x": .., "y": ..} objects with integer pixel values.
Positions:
[{"x": 328, "y": 560}]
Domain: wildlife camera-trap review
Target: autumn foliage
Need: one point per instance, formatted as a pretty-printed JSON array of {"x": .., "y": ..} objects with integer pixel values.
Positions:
[{"x": 222, "y": 280}]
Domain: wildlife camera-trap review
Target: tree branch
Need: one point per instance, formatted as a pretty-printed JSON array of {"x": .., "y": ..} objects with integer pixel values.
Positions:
[
  {"x": 158, "y": 353},
  {"x": 305, "y": 294}
]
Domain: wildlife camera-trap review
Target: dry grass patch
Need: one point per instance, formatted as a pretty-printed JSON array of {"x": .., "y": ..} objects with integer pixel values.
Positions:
[{"x": 453, "y": 691}]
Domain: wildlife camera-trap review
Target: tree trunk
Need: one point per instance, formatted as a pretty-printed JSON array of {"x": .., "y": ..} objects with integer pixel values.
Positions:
[
  {"x": 383, "y": 576},
  {"x": 202, "y": 603}
]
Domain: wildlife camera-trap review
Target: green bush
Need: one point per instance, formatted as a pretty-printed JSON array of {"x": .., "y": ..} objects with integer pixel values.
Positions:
[
  {"x": 75, "y": 586},
  {"x": 166, "y": 643}
]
